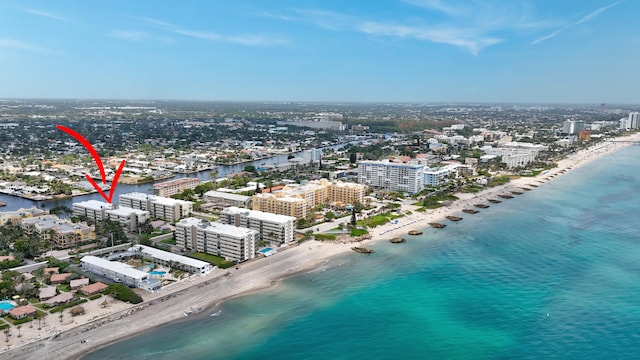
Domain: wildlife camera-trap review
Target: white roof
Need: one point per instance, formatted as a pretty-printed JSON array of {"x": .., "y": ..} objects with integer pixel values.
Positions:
[
  {"x": 94, "y": 205},
  {"x": 154, "y": 198},
  {"x": 117, "y": 267},
  {"x": 190, "y": 221},
  {"x": 126, "y": 211},
  {"x": 137, "y": 196},
  {"x": 224, "y": 229},
  {"x": 225, "y": 195},
  {"x": 168, "y": 256},
  {"x": 259, "y": 215}
]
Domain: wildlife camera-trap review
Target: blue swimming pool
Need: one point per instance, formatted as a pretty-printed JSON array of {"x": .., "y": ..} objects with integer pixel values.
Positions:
[
  {"x": 161, "y": 273},
  {"x": 6, "y": 305},
  {"x": 267, "y": 251}
]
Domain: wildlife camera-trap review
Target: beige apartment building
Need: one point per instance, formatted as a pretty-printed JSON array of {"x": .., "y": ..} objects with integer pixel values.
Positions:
[
  {"x": 173, "y": 187},
  {"x": 298, "y": 200},
  {"x": 61, "y": 233}
]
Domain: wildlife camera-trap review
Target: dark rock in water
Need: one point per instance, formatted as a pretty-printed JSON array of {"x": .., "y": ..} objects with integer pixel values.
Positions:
[{"x": 362, "y": 250}]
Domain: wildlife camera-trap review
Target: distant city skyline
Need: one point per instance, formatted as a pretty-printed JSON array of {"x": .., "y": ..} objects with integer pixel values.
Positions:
[{"x": 424, "y": 51}]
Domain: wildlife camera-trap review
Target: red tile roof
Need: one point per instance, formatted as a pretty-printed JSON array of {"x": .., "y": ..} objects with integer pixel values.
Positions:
[
  {"x": 59, "y": 277},
  {"x": 22, "y": 311},
  {"x": 93, "y": 288}
]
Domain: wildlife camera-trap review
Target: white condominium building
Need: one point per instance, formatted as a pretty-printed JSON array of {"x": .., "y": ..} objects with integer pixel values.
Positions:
[
  {"x": 119, "y": 272},
  {"x": 175, "y": 261},
  {"x": 436, "y": 176},
  {"x": 391, "y": 176},
  {"x": 226, "y": 199},
  {"x": 513, "y": 158},
  {"x": 159, "y": 207},
  {"x": 277, "y": 229},
  {"x": 231, "y": 242},
  {"x": 97, "y": 211}
]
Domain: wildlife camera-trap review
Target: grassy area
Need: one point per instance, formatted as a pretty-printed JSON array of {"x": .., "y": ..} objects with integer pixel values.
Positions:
[
  {"x": 169, "y": 241},
  {"x": 498, "y": 180},
  {"x": 63, "y": 288},
  {"x": 213, "y": 259},
  {"x": 321, "y": 237},
  {"x": 66, "y": 306},
  {"x": 358, "y": 232},
  {"x": 374, "y": 221},
  {"x": 472, "y": 188}
]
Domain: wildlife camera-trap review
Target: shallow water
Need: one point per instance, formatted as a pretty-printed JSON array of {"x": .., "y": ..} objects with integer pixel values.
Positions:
[{"x": 553, "y": 273}]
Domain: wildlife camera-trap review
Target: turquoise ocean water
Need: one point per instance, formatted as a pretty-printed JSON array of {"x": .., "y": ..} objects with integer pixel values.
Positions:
[{"x": 554, "y": 273}]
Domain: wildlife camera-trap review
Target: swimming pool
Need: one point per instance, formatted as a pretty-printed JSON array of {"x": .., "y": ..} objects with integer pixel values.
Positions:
[
  {"x": 161, "y": 273},
  {"x": 267, "y": 251},
  {"x": 6, "y": 305}
]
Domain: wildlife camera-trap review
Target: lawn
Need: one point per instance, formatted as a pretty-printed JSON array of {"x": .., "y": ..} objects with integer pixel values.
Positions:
[
  {"x": 358, "y": 232},
  {"x": 374, "y": 221},
  {"x": 212, "y": 259}
]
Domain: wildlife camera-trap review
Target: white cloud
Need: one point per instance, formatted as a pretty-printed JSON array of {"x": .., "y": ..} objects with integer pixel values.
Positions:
[
  {"x": 441, "y": 6},
  {"x": 214, "y": 36},
  {"x": 129, "y": 35},
  {"x": 45, "y": 14},
  {"x": 472, "y": 38},
  {"x": 466, "y": 39},
  {"x": 546, "y": 37},
  {"x": 590, "y": 16},
  {"x": 18, "y": 45}
]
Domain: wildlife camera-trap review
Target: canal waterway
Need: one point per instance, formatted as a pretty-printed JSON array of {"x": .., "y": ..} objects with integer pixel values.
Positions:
[{"x": 15, "y": 203}]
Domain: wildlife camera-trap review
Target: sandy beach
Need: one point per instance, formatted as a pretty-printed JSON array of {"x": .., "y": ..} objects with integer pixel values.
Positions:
[{"x": 200, "y": 294}]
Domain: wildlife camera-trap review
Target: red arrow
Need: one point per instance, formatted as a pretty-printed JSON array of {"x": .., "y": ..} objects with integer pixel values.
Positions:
[{"x": 98, "y": 161}]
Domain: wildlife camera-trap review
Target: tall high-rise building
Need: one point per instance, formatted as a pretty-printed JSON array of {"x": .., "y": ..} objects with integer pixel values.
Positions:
[
  {"x": 572, "y": 127},
  {"x": 634, "y": 120},
  {"x": 391, "y": 176}
]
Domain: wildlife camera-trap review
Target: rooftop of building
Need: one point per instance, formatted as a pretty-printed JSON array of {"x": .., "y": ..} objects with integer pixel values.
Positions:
[
  {"x": 156, "y": 199},
  {"x": 175, "y": 182},
  {"x": 226, "y": 195},
  {"x": 168, "y": 256},
  {"x": 126, "y": 211},
  {"x": 115, "y": 266},
  {"x": 94, "y": 205},
  {"x": 255, "y": 214}
]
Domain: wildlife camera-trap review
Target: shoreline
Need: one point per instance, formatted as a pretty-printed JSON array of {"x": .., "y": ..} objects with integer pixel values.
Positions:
[{"x": 205, "y": 293}]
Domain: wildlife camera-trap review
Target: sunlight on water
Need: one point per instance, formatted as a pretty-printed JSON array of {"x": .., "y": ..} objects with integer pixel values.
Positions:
[{"x": 551, "y": 274}]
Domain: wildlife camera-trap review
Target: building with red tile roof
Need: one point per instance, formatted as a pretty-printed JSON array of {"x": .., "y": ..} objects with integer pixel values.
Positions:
[
  {"x": 22, "y": 312},
  {"x": 93, "y": 288},
  {"x": 59, "y": 278}
]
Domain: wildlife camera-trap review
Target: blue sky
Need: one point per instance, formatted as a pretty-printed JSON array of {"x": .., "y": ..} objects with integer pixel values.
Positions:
[{"x": 576, "y": 51}]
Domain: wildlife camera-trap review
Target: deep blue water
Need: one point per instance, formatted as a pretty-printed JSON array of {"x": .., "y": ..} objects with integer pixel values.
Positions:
[{"x": 553, "y": 273}]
